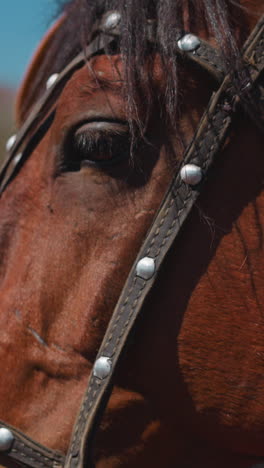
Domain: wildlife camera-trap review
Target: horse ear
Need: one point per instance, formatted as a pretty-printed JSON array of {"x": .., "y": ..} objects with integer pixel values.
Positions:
[{"x": 25, "y": 90}]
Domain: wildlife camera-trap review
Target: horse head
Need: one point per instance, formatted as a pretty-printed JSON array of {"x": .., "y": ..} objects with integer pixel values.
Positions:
[{"x": 94, "y": 161}]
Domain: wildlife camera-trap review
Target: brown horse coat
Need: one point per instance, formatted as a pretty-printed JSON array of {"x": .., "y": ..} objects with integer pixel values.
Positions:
[{"x": 190, "y": 391}]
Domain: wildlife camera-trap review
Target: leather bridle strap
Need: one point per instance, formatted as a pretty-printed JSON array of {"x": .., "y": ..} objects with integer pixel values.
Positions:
[
  {"x": 26, "y": 452},
  {"x": 176, "y": 206}
]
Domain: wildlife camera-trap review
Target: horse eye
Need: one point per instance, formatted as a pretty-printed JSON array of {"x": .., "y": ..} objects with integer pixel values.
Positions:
[{"x": 101, "y": 144}]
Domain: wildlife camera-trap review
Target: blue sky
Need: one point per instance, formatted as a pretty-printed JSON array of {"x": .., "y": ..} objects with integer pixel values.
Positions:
[{"x": 22, "y": 24}]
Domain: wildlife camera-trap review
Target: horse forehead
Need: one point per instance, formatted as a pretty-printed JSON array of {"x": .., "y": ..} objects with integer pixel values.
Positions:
[
  {"x": 108, "y": 72},
  {"x": 97, "y": 88},
  {"x": 102, "y": 69},
  {"x": 98, "y": 79}
]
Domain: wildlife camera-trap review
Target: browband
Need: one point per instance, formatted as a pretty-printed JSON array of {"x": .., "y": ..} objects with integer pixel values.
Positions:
[{"x": 177, "y": 204}]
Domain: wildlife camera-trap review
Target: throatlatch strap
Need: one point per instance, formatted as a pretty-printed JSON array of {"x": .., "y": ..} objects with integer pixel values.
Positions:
[{"x": 209, "y": 139}]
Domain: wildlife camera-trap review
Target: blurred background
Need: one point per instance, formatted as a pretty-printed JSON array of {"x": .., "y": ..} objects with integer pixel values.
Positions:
[{"x": 22, "y": 25}]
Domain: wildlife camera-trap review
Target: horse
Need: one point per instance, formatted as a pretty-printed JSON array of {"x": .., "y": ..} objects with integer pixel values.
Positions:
[{"x": 129, "y": 114}]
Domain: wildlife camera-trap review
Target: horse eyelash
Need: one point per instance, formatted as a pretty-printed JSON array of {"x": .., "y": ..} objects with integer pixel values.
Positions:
[
  {"x": 114, "y": 144},
  {"x": 100, "y": 142}
]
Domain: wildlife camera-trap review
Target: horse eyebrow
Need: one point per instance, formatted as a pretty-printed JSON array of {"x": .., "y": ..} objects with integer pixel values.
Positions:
[
  {"x": 99, "y": 77},
  {"x": 103, "y": 84}
]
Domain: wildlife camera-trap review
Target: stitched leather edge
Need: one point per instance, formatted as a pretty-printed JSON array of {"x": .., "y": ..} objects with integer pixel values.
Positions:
[{"x": 30, "y": 453}]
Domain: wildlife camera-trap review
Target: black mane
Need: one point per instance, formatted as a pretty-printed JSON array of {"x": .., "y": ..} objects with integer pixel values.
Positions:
[{"x": 223, "y": 19}]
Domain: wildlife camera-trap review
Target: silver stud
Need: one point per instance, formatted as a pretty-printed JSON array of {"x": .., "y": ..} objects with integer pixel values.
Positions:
[
  {"x": 10, "y": 142},
  {"x": 6, "y": 439},
  {"x": 145, "y": 268},
  {"x": 111, "y": 20},
  {"x": 102, "y": 367},
  {"x": 189, "y": 43},
  {"x": 51, "y": 80},
  {"x": 17, "y": 158},
  {"x": 191, "y": 174}
]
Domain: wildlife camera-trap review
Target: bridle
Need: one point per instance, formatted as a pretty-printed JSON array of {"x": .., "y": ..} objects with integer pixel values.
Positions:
[{"x": 15, "y": 447}]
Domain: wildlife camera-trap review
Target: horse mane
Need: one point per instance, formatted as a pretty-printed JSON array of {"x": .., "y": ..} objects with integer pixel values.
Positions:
[{"x": 222, "y": 19}]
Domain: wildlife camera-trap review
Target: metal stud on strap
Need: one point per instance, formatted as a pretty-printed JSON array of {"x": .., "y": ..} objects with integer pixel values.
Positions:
[
  {"x": 51, "y": 80},
  {"x": 102, "y": 367},
  {"x": 189, "y": 43},
  {"x": 17, "y": 158},
  {"x": 191, "y": 174},
  {"x": 111, "y": 20},
  {"x": 6, "y": 439},
  {"x": 10, "y": 142},
  {"x": 145, "y": 268}
]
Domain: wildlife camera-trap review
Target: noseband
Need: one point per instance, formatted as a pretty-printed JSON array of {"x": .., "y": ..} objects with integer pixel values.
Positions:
[{"x": 183, "y": 192}]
